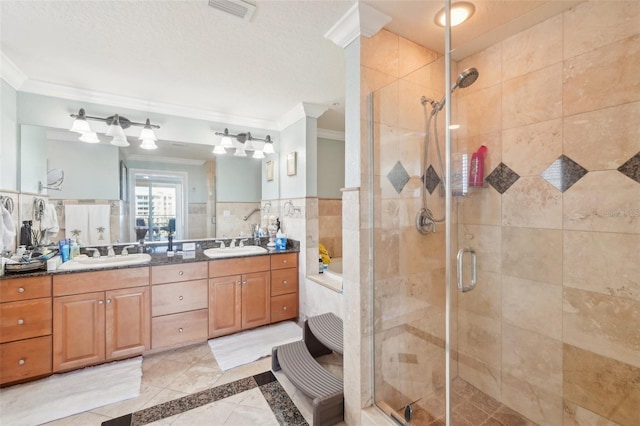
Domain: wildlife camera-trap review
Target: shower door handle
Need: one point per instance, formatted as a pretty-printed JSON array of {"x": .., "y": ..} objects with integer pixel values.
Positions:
[{"x": 471, "y": 286}]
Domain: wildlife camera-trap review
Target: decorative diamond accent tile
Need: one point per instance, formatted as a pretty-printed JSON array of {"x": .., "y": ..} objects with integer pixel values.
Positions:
[
  {"x": 502, "y": 177},
  {"x": 563, "y": 173},
  {"x": 398, "y": 177},
  {"x": 431, "y": 179},
  {"x": 631, "y": 168}
]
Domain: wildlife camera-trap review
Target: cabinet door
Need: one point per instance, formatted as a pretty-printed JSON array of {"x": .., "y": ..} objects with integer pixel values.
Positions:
[
  {"x": 128, "y": 322},
  {"x": 256, "y": 299},
  {"x": 78, "y": 330},
  {"x": 225, "y": 305}
]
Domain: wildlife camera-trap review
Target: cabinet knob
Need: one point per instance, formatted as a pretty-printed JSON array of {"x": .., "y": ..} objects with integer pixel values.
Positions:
[
  {"x": 244, "y": 282},
  {"x": 21, "y": 290},
  {"x": 180, "y": 297},
  {"x": 21, "y": 362},
  {"x": 180, "y": 330},
  {"x": 100, "y": 302},
  {"x": 284, "y": 282},
  {"x": 284, "y": 308},
  {"x": 284, "y": 260},
  {"x": 239, "y": 282},
  {"x": 180, "y": 273},
  {"x": 108, "y": 301},
  {"x": 20, "y": 321}
]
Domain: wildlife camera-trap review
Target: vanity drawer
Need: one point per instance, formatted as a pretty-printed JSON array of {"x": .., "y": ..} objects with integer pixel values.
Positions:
[
  {"x": 179, "y": 329},
  {"x": 284, "y": 281},
  {"x": 179, "y": 297},
  {"x": 284, "y": 307},
  {"x": 89, "y": 282},
  {"x": 284, "y": 260},
  {"x": 12, "y": 290},
  {"x": 176, "y": 273},
  {"x": 24, "y": 359},
  {"x": 22, "y": 320},
  {"x": 238, "y": 266}
]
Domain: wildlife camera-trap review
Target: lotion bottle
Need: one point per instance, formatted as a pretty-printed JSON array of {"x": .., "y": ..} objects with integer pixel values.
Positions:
[{"x": 476, "y": 173}]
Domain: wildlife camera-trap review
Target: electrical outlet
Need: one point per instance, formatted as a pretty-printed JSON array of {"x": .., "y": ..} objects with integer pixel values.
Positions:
[{"x": 226, "y": 213}]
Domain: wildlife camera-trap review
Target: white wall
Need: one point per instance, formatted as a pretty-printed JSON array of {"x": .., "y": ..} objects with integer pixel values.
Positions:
[
  {"x": 89, "y": 169},
  {"x": 293, "y": 139},
  {"x": 8, "y": 138},
  {"x": 330, "y": 168},
  {"x": 236, "y": 179},
  {"x": 33, "y": 159}
]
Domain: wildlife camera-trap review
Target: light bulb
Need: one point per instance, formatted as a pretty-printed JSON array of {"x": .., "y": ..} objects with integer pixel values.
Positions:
[
  {"x": 219, "y": 149},
  {"x": 268, "y": 148},
  {"x": 90, "y": 137},
  {"x": 148, "y": 144},
  {"x": 226, "y": 142},
  {"x": 258, "y": 154},
  {"x": 240, "y": 153}
]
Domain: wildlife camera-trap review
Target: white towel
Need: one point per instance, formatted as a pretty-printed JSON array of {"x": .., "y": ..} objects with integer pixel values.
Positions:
[
  {"x": 49, "y": 223},
  {"x": 8, "y": 230},
  {"x": 99, "y": 225},
  {"x": 76, "y": 225}
]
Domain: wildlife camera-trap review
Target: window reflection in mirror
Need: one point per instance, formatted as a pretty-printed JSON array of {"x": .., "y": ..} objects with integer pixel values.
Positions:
[{"x": 157, "y": 199}]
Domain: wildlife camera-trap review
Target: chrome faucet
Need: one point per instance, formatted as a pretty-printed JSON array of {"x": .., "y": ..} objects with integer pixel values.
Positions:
[
  {"x": 110, "y": 252},
  {"x": 221, "y": 243},
  {"x": 125, "y": 251},
  {"x": 232, "y": 244},
  {"x": 96, "y": 252},
  {"x": 242, "y": 242}
]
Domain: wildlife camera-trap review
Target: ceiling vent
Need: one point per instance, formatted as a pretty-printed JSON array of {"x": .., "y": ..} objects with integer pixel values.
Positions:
[{"x": 238, "y": 8}]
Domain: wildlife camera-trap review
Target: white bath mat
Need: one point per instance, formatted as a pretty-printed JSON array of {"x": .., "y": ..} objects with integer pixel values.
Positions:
[
  {"x": 248, "y": 346},
  {"x": 62, "y": 395}
]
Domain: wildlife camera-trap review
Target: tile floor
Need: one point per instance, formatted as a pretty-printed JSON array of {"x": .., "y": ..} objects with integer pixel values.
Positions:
[{"x": 171, "y": 380}]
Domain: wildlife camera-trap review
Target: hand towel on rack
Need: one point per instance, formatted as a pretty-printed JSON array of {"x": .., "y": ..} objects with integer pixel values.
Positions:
[
  {"x": 77, "y": 223},
  {"x": 49, "y": 223},
  {"x": 99, "y": 224},
  {"x": 7, "y": 230}
]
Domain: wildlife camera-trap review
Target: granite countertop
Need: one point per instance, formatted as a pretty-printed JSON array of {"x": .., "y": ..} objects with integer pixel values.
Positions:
[{"x": 158, "y": 253}]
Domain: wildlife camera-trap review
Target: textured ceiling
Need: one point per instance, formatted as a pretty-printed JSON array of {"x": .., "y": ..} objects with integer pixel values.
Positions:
[{"x": 186, "y": 54}]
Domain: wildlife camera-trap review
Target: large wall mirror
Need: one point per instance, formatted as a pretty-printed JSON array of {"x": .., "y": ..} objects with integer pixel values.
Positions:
[{"x": 179, "y": 188}]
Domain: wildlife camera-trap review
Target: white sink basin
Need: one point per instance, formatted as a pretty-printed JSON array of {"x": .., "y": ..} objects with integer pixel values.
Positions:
[
  {"x": 215, "y": 253},
  {"x": 85, "y": 262}
]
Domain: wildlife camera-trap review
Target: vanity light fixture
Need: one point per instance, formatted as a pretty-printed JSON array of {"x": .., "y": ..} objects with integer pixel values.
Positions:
[
  {"x": 243, "y": 142},
  {"x": 460, "y": 12},
  {"x": 116, "y": 124}
]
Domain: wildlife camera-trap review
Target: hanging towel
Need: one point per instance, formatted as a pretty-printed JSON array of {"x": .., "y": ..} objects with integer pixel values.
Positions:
[
  {"x": 77, "y": 223},
  {"x": 8, "y": 230},
  {"x": 49, "y": 223},
  {"x": 99, "y": 225}
]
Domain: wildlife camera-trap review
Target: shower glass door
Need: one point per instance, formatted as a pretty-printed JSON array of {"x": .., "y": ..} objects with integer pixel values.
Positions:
[{"x": 548, "y": 334}]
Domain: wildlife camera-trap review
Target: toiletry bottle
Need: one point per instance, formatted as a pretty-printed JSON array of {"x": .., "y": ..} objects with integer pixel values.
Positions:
[
  {"x": 170, "y": 246},
  {"x": 25, "y": 234},
  {"x": 320, "y": 266},
  {"x": 65, "y": 251},
  {"x": 74, "y": 249},
  {"x": 476, "y": 172}
]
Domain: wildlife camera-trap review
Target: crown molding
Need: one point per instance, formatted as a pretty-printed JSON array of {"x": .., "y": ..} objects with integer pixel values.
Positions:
[
  {"x": 302, "y": 110},
  {"x": 170, "y": 160},
  {"x": 10, "y": 72},
  {"x": 82, "y": 95},
  {"x": 360, "y": 19},
  {"x": 331, "y": 134}
]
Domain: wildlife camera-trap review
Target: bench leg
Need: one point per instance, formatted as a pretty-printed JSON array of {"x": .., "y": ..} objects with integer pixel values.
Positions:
[
  {"x": 275, "y": 365},
  {"x": 313, "y": 345}
]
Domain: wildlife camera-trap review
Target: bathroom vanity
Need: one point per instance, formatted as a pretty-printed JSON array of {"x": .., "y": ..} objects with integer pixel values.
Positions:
[{"x": 64, "y": 320}]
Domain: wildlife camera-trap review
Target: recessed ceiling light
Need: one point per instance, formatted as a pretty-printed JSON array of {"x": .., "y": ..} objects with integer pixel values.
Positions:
[{"x": 460, "y": 12}]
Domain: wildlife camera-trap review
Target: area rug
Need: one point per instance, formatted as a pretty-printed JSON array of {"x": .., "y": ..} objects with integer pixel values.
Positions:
[
  {"x": 62, "y": 395},
  {"x": 248, "y": 346}
]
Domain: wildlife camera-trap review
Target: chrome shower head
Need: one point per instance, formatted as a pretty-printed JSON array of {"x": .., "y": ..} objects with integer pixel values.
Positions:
[{"x": 466, "y": 78}]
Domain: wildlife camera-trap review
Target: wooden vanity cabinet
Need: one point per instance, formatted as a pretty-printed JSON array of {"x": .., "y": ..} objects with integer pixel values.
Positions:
[
  {"x": 100, "y": 316},
  {"x": 239, "y": 294},
  {"x": 25, "y": 328},
  {"x": 179, "y": 296}
]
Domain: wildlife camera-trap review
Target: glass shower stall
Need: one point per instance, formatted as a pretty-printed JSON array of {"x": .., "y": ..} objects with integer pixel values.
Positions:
[{"x": 506, "y": 212}]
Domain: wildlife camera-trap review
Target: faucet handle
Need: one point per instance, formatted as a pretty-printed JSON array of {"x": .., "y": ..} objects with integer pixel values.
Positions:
[
  {"x": 221, "y": 243},
  {"x": 125, "y": 251},
  {"x": 232, "y": 244},
  {"x": 96, "y": 252},
  {"x": 242, "y": 242}
]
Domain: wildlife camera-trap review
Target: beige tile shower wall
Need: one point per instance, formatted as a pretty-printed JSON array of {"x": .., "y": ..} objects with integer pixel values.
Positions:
[
  {"x": 230, "y": 219},
  {"x": 409, "y": 268},
  {"x": 330, "y": 225},
  {"x": 551, "y": 330}
]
